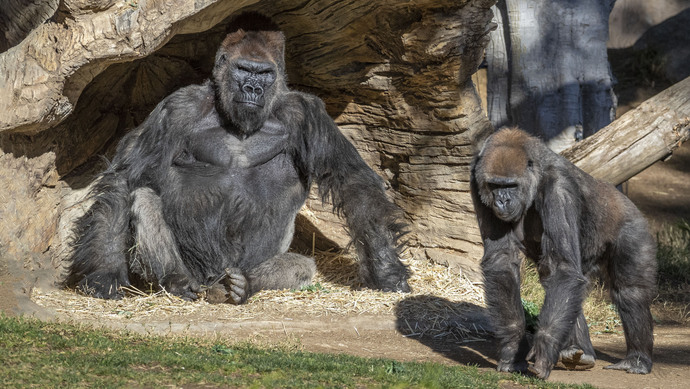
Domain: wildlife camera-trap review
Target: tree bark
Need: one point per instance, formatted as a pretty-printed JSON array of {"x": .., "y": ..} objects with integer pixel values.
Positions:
[
  {"x": 394, "y": 74},
  {"x": 19, "y": 17},
  {"x": 638, "y": 138},
  {"x": 548, "y": 70}
]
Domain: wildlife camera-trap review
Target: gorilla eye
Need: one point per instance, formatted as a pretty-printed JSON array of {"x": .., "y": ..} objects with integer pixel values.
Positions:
[
  {"x": 493, "y": 186},
  {"x": 530, "y": 163}
]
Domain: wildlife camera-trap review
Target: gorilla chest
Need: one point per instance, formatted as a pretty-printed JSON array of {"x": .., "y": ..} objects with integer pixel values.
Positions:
[{"x": 274, "y": 185}]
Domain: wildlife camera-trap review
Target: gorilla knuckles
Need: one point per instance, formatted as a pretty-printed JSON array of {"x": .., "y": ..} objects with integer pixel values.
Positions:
[
  {"x": 204, "y": 193},
  {"x": 530, "y": 199}
]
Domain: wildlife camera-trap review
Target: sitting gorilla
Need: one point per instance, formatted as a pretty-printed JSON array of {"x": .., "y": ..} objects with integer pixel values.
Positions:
[{"x": 207, "y": 188}]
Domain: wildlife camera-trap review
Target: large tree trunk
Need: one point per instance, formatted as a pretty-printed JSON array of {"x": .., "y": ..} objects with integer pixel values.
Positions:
[
  {"x": 395, "y": 75},
  {"x": 548, "y": 70},
  {"x": 19, "y": 17},
  {"x": 638, "y": 138}
]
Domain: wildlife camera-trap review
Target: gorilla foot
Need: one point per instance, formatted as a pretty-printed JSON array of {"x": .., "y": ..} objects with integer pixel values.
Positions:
[
  {"x": 575, "y": 359},
  {"x": 181, "y": 286},
  {"x": 635, "y": 364},
  {"x": 232, "y": 287},
  {"x": 102, "y": 290}
]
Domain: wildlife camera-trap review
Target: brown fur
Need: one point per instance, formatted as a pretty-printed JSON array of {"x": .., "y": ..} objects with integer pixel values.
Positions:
[
  {"x": 507, "y": 156},
  {"x": 266, "y": 46},
  {"x": 574, "y": 228}
]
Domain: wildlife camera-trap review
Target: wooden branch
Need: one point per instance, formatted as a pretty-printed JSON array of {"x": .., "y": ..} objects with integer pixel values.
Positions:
[{"x": 638, "y": 138}]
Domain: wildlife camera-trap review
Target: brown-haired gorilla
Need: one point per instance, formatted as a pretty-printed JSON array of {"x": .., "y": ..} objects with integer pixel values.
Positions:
[
  {"x": 208, "y": 186},
  {"x": 574, "y": 227}
]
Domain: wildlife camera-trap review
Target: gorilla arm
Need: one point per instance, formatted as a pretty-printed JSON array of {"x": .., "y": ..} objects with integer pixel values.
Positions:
[
  {"x": 501, "y": 268},
  {"x": 99, "y": 262},
  {"x": 560, "y": 273},
  {"x": 358, "y": 193}
]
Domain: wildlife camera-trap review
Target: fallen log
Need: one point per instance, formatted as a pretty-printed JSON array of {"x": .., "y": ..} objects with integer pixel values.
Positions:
[{"x": 637, "y": 139}]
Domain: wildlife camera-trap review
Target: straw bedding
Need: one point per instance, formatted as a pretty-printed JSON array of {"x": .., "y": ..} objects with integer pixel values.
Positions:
[{"x": 439, "y": 301}]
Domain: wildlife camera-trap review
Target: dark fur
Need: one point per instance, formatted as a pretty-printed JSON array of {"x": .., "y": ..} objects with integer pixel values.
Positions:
[
  {"x": 209, "y": 186},
  {"x": 574, "y": 227}
]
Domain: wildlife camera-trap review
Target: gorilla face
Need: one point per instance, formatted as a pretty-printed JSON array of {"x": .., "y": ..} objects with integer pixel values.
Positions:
[
  {"x": 506, "y": 201},
  {"x": 507, "y": 175},
  {"x": 248, "y": 74},
  {"x": 251, "y": 80}
]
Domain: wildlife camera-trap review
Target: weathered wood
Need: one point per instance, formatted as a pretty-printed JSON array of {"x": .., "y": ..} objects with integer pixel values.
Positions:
[
  {"x": 548, "y": 70},
  {"x": 394, "y": 74},
  {"x": 19, "y": 17},
  {"x": 638, "y": 138}
]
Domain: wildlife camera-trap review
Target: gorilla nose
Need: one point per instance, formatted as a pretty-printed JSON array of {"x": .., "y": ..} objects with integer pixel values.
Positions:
[
  {"x": 502, "y": 204},
  {"x": 253, "y": 89}
]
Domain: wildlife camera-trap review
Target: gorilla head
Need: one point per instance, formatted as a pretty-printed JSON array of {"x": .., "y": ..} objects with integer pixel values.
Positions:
[
  {"x": 508, "y": 174},
  {"x": 249, "y": 73}
]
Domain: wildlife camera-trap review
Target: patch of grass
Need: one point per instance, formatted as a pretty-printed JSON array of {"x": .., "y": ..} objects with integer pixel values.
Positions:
[
  {"x": 315, "y": 287},
  {"x": 531, "y": 315},
  {"x": 673, "y": 254},
  {"x": 41, "y": 354},
  {"x": 600, "y": 313}
]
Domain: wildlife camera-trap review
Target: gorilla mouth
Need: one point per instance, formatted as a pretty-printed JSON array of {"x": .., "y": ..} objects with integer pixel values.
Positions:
[
  {"x": 250, "y": 102},
  {"x": 507, "y": 216}
]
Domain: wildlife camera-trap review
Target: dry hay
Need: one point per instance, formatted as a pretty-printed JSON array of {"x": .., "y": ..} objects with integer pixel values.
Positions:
[{"x": 438, "y": 305}]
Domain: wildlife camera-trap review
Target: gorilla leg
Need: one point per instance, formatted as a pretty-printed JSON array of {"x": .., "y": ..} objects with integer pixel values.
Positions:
[
  {"x": 565, "y": 289},
  {"x": 579, "y": 352},
  {"x": 156, "y": 257},
  {"x": 284, "y": 271},
  {"x": 98, "y": 265},
  {"x": 633, "y": 285},
  {"x": 502, "y": 289}
]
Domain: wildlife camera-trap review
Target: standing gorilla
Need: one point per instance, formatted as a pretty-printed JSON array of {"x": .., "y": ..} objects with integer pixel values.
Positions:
[
  {"x": 208, "y": 186},
  {"x": 530, "y": 199}
]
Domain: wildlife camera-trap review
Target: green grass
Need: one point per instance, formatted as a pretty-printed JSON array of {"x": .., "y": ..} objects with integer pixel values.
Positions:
[
  {"x": 45, "y": 354},
  {"x": 673, "y": 256}
]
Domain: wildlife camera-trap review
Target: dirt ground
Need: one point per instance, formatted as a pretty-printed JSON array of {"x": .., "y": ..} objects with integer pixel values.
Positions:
[{"x": 661, "y": 192}]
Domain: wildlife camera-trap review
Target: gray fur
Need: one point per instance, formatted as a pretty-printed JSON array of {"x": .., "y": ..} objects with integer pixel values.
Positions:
[
  {"x": 530, "y": 199},
  {"x": 207, "y": 188}
]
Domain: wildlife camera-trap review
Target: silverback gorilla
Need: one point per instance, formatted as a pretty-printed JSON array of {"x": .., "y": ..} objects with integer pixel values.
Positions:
[
  {"x": 530, "y": 199},
  {"x": 207, "y": 188}
]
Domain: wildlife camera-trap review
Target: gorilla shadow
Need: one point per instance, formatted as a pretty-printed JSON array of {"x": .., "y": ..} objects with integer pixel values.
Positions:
[
  {"x": 332, "y": 262},
  {"x": 462, "y": 332},
  {"x": 459, "y": 331}
]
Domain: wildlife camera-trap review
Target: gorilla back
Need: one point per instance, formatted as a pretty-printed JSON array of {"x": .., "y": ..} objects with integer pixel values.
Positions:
[{"x": 208, "y": 186}]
